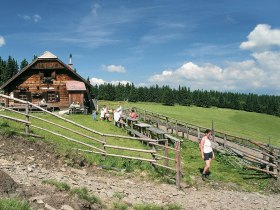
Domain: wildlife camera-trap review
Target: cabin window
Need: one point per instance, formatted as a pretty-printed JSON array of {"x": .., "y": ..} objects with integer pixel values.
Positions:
[
  {"x": 48, "y": 77},
  {"x": 47, "y": 73},
  {"x": 26, "y": 96},
  {"x": 53, "y": 96}
]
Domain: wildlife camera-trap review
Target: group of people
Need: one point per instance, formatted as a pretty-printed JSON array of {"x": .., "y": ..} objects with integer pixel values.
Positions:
[
  {"x": 105, "y": 113},
  {"x": 75, "y": 105}
]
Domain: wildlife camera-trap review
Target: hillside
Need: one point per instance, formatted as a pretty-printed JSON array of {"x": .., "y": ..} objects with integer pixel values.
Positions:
[
  {"x": 30, "y": 162},
  {"x": 250, "y": 125}
]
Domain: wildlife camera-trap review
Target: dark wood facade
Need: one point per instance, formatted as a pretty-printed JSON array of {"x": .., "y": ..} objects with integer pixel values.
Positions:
[{"x": 46, "y": 77}]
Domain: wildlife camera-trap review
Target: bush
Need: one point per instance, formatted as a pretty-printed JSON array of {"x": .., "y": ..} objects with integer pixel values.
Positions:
[
  {"x": 13, "y": 204},
  {"x": 59, "y": 185},
  {"x": 83, "y": 193}
]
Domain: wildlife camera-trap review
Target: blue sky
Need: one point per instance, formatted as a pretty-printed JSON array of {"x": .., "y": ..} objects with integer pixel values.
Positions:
[{"x": 226, "y": 45}]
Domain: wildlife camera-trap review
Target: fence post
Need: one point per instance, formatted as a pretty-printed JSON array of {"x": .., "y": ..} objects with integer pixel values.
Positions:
[
  {"x": 213, "y": 131},
  {"x": 176, "y": 128},
  {"x": 187, "y": 128},
  {"x": 104, "y": 147},
  {"x": 167, "y": 124},
  {"x": 158, "y": 121},
  {"x": 225, "y": 140},
  {"x": 198, "y": 133},
  {"x": 27, "y": 118},
  {"x": 178, "y": 164},
  {"x": 166, "y": 152},
  {"x": 144, "y": 115}
]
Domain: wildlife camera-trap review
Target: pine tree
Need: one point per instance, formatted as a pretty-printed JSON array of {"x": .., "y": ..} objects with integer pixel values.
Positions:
[
  {"x": 133, "y": 95},
  {"x": 167, "y": 96},
  {"x": 23, "y": 63}
]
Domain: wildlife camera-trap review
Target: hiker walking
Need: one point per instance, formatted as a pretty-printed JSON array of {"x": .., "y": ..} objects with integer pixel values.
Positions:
[{"x": 207, "y": 152}]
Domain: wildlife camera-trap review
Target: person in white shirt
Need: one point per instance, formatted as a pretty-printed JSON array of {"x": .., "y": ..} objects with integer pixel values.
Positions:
[
  {"x": 103, "y": 112},
  {"x": 207, "y": 152},
  {"x": 119, "y": 109}
]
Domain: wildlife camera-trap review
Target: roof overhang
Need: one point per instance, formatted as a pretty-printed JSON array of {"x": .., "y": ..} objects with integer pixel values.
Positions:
[{"x": 75, "y": 86}]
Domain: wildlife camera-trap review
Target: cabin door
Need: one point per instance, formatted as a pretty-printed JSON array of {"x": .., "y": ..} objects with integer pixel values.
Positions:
[{"x": 76, "y": 97}]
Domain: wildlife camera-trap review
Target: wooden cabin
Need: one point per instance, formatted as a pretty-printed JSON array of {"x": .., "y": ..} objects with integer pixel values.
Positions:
[{"x": 50, "y": 79}]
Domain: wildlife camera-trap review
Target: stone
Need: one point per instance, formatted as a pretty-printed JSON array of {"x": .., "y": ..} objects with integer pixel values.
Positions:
[
  {"x": 66, "y": 207},
  {"x": 48, "y": 207},
  {"x": 36, "y": 198},
  {"x": 245, "y": 198},
  {"x": 7, "y": 184},
  {"x": 78, "y": 171}
]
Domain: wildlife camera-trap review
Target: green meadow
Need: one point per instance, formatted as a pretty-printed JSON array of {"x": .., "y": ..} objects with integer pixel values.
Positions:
[
  {"x": 254, "y": 126},
  {"x": 250, "y": 125}
]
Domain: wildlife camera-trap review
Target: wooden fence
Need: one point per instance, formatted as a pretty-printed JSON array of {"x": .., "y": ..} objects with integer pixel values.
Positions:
[
  {"x": 161, "y": 155},
  {"x": 252, "y": 153}
]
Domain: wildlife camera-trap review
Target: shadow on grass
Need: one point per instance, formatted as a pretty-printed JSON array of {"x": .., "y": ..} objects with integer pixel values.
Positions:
[
  {"x": 256, "y": 176},
  {"x": 201, "y": 171}
]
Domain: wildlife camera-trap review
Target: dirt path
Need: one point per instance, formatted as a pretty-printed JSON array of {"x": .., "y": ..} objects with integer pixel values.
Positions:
[{"x": 28, "y": 163}]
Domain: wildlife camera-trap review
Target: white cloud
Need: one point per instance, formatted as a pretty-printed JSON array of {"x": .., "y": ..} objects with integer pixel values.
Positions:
[
  {"x": 188, "y": 72},
  {"x": 97, "y": 81},
  {"x": 35, "y": 18},
  {"x": 123, "y": 82},
  {"x": 262, "y": 38},
  {"x": 259, "y": 74},
  {"x": 114, "y": 68},
  {"x": 2, "y": 41}
]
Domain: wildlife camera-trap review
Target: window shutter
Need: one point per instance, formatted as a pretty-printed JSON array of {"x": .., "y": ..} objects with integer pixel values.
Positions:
[
  {"x": 53, "y": 74},
  {"x": 16, "y": 94},
  {"x": 45, "y": 96},
  {"x": 41, "y": 75},
  {"x": 28, "y": 96}
]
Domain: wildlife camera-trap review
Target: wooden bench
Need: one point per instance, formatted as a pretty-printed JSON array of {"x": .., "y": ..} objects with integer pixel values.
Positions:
[
  {"x": 78, "y": 110},
  {"x": 179, "y": 128},
  {"x": 121, "y": 124},
  {"x": 136, "y": 133},
  {"x": 172, "y": 138}
]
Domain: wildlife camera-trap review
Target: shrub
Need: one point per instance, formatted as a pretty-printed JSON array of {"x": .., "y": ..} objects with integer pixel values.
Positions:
[
  {"x": 13, "y": 204},
  {"x": 59, "y": 185}
]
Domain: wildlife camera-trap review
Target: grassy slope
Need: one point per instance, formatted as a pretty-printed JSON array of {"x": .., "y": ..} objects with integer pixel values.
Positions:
[
  {"x": 191, "y": 160},
  {"x": 250, "y": 125}
]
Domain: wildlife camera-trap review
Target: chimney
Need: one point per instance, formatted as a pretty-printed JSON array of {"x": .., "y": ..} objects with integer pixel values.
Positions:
[{"x": 70, "y": 61}]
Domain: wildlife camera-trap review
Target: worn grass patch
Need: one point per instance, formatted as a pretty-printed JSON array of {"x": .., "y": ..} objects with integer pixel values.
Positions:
[
  {"x": 13, "y": 204},
  {"x": 157, "y": 207},
  {"x": 84, "y": 194},
  {"x": 59, "y": 185}
]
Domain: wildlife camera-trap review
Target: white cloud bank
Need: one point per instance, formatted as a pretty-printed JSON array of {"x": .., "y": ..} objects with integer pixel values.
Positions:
[
  {"x": 96, "y": 81},
  {"x": 260, "y": 74},
  {"x": 262, "y": 38},
  {"x": 114, "y": 68},
  {"x": 2, "y": 41}
]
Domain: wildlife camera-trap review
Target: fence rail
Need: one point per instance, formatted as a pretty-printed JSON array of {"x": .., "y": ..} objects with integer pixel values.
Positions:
[
  {"x": 266, "y": 156},
  {"x": 101, "y": 146}
]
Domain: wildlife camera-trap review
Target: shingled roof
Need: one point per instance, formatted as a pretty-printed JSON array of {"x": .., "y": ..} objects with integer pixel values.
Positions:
[
  {"x": 45, "y": 56},
  {"x": 75, "y": 86}
]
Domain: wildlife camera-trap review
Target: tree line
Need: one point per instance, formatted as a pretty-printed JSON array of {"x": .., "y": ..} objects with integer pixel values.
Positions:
[
  {"x": 9, "y": 67},
  {"x": 269, "y": 104}
]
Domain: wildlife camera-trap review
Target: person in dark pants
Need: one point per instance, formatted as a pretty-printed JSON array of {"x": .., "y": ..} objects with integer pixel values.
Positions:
[{"x": 207, "y": 152}]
